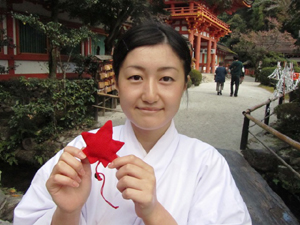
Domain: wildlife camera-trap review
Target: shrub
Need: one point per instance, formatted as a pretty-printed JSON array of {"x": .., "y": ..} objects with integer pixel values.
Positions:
[
  {"x": 288, "y": 122},
  {"x": 297, "y": 69},
  {"x": 41, "y": 108},
  {"x": 263, "y": 76},
  {"x": 196, "y": 77}
]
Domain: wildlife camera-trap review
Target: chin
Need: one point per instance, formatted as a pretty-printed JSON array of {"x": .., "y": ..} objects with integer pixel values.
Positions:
[{"x": 150, "y": 125}]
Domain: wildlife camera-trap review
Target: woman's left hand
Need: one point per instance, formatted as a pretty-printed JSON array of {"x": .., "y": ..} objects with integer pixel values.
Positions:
[{"x": 137, "y": 182}]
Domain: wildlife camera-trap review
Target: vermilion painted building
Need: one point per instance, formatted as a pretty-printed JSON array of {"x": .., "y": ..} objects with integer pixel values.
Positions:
[
  {"x": 200, "y": 25},
  {"x": 192, "y": 19},
  {"x": 30, "y": 57}
]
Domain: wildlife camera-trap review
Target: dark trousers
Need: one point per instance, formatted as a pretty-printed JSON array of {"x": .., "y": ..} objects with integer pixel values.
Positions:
[{"x": 235, "y": 80}]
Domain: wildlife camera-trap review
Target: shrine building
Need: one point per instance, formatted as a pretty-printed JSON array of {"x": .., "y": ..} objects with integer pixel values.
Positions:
[
  {"x": 200, "y": 25},
  {"x": 193, "y": 19}
]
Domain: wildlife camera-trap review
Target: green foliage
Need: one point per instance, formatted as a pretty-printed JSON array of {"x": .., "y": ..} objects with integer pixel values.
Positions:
[
  {"x": 196, "y": 77},
  {"x": 114, "y": 14},
  {"x": 288, "y": 116},
  {"x": 41, "y": 109},
  {"x": 265, "y": 72},
  {"x": 272, "y": 58},
  {"x": 297, "y": 69},
  {"x": 86, "y": 64},
  {"x": 59, "y": 37}
]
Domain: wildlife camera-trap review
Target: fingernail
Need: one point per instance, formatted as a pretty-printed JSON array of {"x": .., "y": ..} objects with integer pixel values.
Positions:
[
  {"x": 81, "y": 155},
  {"x": 75, "y": 184},
  {"x": 111, "y": 165}
]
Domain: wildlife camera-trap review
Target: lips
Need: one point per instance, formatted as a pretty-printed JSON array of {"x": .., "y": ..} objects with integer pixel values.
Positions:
[{"x": 150, "y": 109}]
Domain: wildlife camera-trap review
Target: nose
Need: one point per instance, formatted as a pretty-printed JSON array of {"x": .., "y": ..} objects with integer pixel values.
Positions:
[{"x": 150, "y": 92}]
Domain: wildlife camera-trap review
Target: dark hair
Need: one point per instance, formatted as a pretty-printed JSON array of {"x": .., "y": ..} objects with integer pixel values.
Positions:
[
  {"x": 147, "y": 34},
  {"x": 221, "y": 63},
  {"x": 235, "y": 57}
]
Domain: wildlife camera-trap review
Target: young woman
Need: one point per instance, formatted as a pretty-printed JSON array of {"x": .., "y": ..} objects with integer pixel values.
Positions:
[{"x": 160, "y": 176}]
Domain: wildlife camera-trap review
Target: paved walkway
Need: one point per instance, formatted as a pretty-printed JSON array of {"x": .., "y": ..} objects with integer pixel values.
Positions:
[{"x": 217, "y": 120}]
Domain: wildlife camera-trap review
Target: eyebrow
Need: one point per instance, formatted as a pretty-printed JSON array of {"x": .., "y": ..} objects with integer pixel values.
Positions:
[{"x": 159, "y": 69}]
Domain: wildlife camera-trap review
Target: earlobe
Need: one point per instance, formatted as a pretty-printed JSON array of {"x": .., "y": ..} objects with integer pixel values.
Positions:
[{"x": 185, "y": 87}]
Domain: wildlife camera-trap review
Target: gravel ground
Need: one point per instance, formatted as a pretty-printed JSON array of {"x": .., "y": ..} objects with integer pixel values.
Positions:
[{"x": 214, "y": 119}]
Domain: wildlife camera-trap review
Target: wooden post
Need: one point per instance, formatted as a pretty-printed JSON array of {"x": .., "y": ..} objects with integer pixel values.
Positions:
[
  {"x": 208, "y": 59},
  {"x": 281, "y": 100},
  {"x": 267, "y": 114},
  {"x": 244, "y": 139},
  {"x": 96, "y": 109},
  {"x": 103, "y": 110}
]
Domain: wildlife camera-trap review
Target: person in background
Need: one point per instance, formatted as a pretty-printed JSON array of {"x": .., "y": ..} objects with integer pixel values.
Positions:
[
  {"x": 160, "y": 177},
  {"x": 236, "y": 73},
  {"x": 220, "y": 75},
  {"x": 242, "y": 75}
]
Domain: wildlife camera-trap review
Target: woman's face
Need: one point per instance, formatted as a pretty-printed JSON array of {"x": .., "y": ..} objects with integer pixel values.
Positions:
[{"x": 150, "y": 84}]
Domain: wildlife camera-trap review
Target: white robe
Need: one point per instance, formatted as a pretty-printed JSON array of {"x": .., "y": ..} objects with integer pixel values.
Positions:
[{"x": 194, "y": 184}]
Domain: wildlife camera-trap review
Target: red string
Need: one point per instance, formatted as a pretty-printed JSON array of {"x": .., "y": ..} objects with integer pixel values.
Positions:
[{"x": 97, "y": 174}]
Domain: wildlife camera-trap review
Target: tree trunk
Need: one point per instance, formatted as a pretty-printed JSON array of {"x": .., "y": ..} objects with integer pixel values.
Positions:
[
  {"x": 52, "y": 51},
  {"x": 115, "y": 29},
  {"x": 52, "y": 63}
]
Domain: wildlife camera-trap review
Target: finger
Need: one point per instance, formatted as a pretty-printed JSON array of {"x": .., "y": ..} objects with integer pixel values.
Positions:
[
  {"x": 86, "y": 167},
  {"x": 131, "y": 170},
  {"x": 76, "y": 152},
  {"x": 72, "y": 162},
  {"x": 55, "y": 182},
  {"x": 138, "y": 196},
  {"x": 130, "y": 159},
  {"x": 129, "y": 182},
  {"x": 66, "y": 170}
]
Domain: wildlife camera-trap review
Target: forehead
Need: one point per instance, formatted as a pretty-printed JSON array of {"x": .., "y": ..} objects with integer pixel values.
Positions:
[{"x": 161, "y": 55}]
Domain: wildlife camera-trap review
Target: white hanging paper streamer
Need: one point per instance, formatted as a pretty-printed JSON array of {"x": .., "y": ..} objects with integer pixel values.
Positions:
[{"x": 284, "y": 77}]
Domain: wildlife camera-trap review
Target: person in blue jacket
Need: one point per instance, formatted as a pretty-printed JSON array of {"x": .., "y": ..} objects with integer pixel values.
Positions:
[{"x": 220, "y": 75}]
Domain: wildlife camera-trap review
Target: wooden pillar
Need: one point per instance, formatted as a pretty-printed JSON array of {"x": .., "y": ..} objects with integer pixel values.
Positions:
[
  {"x": 191, "y": 37},
  {"x": 86, "y": 47},
  {"x": 208, "y": 61},
  {"x": 197, "y": 53},
  {"x": 10, "y": 51},
  {"x": 213, "y": 61},
  {"x": 191, "y": 7}
]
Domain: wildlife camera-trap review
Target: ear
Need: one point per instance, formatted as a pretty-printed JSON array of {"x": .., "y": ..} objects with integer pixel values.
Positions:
[
  {"x": 117, "y": 87},
  {"x": 184, "y": 88}
]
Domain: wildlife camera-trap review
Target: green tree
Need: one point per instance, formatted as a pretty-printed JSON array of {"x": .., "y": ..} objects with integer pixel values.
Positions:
[
  {"x": 59, "y": 36},
  {"x": 292, "y": 25},
  {"x": 256, "y": 46},
  {"x": 114, "y": 15}
]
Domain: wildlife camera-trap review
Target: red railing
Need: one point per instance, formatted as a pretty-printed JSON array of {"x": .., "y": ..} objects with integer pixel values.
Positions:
[{"x": 197, "y": 11}]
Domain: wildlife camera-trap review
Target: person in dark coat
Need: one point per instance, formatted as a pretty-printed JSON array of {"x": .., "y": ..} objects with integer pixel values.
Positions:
[
  {"x": 220, "y": 74},
  {"x": 236, "y": 73}
]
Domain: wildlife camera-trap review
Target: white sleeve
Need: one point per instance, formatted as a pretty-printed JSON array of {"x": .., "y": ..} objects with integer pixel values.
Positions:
[
  {"x": 217, "y": 200},
  {"x": 37, "y": 206}
]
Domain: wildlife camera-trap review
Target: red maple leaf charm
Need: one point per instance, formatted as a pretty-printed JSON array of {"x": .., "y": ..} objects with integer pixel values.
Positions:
[{"x": 100, "y": 146}]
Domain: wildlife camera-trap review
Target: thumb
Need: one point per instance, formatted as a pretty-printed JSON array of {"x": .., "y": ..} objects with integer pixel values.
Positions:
[{"x": 86, "y": 166}]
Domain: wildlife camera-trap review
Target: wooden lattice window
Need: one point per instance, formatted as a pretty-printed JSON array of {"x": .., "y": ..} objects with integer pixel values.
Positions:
[{"x": 31, "y": 40}]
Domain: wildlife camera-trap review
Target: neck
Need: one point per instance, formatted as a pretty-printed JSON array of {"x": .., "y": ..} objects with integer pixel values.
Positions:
[{"x": 148, "y": 138}]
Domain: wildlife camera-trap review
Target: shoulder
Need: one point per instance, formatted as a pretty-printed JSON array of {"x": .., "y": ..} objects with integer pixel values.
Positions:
[{"x": 194, "y": 150}]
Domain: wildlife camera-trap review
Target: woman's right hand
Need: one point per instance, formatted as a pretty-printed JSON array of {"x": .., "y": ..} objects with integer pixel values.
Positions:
[{"x": 70, "y": 181}]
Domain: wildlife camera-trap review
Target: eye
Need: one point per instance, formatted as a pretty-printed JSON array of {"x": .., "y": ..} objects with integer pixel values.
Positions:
[
  {"x": 135, "y": 77},
  {"x": 167, "y": 79}
]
